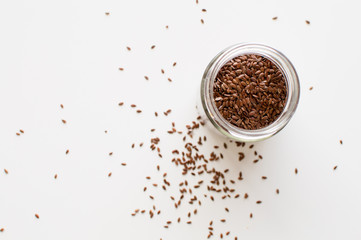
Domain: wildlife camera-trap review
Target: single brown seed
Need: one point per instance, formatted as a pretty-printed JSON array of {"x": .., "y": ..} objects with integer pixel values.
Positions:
[
  {"x": 128, "y": 48},
  {"x": 152, "y": 47},
  {"x": 133, "y": 145},
  {"x": 121, "y": 103},
  {"x": 264, "y": 177},
  {"x": 156, "y": 114},
  {"x": 174, "y": 64},
  {"x": 251, "y": 215},
  {"x": 107, "y": 13},
  {"x": 204, "y": 10},
  {"x": 18, "y": 134},
  {"x": 227, "y": 210},
  {"x": 189, "y": 222},
  {"x": 202, "y": 21},
  {"x": 170, "y": 80},
  {"x": 111, "y": 153},
  {"x": 22, "y": 131},
  {"x": 121, "y": 69},
  {"x": 179, "y": 219},
  {"x": 259, "y": 202},
  {"x": 56, "y": 176},
  {"x": 308, "y": 22},
  {"x": 151, "y": 197},
  {"x": 341, "y": 142},
  {"x": 274, "y": 18},
  {"x": 2, "y": 229},
  {"x": 296, "y": 170},
  {"x": 335, "y": 167},
  {"x": 124, "y": 164},
  {"x": 162, "y": 71},
  {"x": 277, "y": 191},
  {"x": 63, "y": 121},
  {"x": 139, "y": 111},
  {"x": 311, "y": 88},
  {"x": 133, "y": 105},
  {"x": 146, "y": 77},
  {"x": 67, "y": 151},
  {"x": 227, "y": 233},
  {"x": 110, "y": 174},
  {"x": 223, "y": 220},
  {"x": 167, "y": 27},
  {"x": 37, "y": 215},
  {"x": 246, "y": 195}
]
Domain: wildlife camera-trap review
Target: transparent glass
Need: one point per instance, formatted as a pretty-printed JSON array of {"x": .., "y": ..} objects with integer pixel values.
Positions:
[{"x": 222, "y": 125}]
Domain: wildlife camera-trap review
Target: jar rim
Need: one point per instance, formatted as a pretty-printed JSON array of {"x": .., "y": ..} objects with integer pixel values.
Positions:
[{"x": 224, "y": 126}]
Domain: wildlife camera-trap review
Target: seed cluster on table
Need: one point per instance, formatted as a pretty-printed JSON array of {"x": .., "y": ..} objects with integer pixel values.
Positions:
[{"x": 194, "y": 162}]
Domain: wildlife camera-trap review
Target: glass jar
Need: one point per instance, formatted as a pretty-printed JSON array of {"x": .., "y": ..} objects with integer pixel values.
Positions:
[{"x": 208, "y": 107}]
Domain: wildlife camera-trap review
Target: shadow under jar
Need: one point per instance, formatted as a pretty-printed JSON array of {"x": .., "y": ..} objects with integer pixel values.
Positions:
[{"x": 249, "y": 92}]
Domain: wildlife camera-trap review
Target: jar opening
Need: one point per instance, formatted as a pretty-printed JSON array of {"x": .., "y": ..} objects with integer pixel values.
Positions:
[{"x": 291, "y": 101}]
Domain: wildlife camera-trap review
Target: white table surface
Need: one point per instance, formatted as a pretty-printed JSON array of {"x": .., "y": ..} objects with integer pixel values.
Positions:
[{"x": 68, "y": 52}]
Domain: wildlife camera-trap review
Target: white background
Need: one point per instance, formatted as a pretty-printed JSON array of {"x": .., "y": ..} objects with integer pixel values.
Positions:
[{"x": 68, "y": 52}]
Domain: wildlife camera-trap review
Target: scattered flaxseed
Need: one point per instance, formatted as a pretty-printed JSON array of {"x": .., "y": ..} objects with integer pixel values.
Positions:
[
  {"x": 18, "y": 134},
  {"x": 121, "y": 103},
  {"x": 67, "y": 151},
  {"x": 189, "y": 222},
  {"x": 308, "y": 22},
  {"x": 37, "y": 215},
  {"x": 107, "y": 13},
  {"x": 296, "y": 170},
  {"x": 311, "y": 88},
  {"x": 22, "y": 131},
  {"x": 151, "y": 197},
  {"x": 174, "y": 64},
  {"x": 124, "y": 164},
  {"x": 246, "y": 195},
  {"x": 128, "y": 48},
  {"x": 133, "y": 105},
  {"x": 55, "y": 176},
  {"x": 146, "y": 77},
  {"x": 109, "y": 174},
  {"x": 2, "y": 229},
  {"x": 202, "y": 21},
  {"x": 264, "y": 177},
  {"x": 223, "y": 220},
  {"x": 259, "y": 202},
  {"x": 170, "y": 80},
  {"x": 167, "y": 27},
  {"x": 152, "y": 47},
  {"x": 162, "y": 71},
  {"x": 121, "y": 69},
  {"x": 251, "y": 215},
  {"x": 341, "y": 142},
  {"x": 227, "y": 210},
  {"x": 277, "y": 191},
  {"x": 335, "y": 167},
  {"x": 156, "y": 114},
  {"x": 6, "y": 171},
  {"x": 274, "y": 18},
  {"x": 204, "y": 10},
  {"x": 63, "y": 121},
  {"x": 139, "y": 111},
  {"x": 111, "y": 153},
  {"x": 133, "y": 145}
]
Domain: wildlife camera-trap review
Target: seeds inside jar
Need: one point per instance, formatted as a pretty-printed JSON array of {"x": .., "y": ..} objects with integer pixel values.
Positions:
[{"x": 250, "y": 91}]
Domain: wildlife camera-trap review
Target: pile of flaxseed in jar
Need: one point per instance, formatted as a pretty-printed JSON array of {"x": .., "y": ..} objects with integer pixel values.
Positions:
[{"x": 250, "y": 91}]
